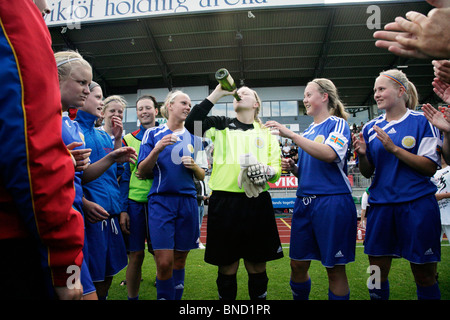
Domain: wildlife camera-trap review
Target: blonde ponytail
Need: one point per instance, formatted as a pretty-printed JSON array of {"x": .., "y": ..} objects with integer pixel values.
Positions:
[
  {"x": 413, "y": 96},
  {"x": 335, "y": 105}
]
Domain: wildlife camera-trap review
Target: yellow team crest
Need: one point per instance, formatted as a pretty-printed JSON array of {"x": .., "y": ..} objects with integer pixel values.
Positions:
[
  {"x": 408, "y": 142},
  {"x": 320, "y": 138},
  {"x": 259, "y": 142},
  {"x": 190, "y": 147}
]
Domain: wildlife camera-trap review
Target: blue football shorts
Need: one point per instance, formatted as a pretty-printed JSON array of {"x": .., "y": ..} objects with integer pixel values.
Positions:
[
  {"x": 410, "y": 230},
  {"x": 85, "y": 276},
  {"x": 137, "y": 211},
  {"x": 106, "y": 248},
  {"x": 86, "y": 280},
  {"x": 324, "y": 229},
  {"x": 173, "y": 222}
]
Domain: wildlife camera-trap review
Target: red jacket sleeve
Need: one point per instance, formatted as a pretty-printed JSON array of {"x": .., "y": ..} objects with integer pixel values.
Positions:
[{"x": 37, "y": 174}]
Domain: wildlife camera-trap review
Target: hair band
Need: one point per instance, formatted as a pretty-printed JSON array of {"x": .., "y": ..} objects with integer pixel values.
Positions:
[
  {"x": 395, "y": 80},
  {"x": 93, "y": 85},
  {"x": 318, "y": 83},
  {"x": 65, "y": 61}
]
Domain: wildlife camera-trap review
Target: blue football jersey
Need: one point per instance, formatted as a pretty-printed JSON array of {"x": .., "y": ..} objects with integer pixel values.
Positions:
[
  {"x": 71, "y": 132},
  {"x": 393, "y": 180},
  {"x": 170, "y": 175},
  {"x": 316, "y": 177}
]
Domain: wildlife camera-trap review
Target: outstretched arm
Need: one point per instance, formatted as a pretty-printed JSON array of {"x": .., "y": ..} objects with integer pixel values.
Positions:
[
  {"x": 319, "y": 151},
  {"x": 96, "y": 169}
]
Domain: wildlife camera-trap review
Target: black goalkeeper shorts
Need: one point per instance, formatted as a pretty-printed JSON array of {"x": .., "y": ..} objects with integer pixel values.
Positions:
[{"x": 241, "y": 227}]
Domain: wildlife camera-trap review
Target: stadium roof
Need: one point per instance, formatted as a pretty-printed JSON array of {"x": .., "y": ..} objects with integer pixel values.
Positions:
[{"x": 279, "y": 46}]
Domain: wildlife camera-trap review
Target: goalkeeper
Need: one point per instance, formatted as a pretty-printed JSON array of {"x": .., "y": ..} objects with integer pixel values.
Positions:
[{"x": 241, "y": 221}]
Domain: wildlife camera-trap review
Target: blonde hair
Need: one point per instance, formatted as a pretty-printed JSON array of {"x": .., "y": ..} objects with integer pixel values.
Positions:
[
  {"x": 65, "y": 62},
  {"x": 400, "y": 79},
  {"x": 115, "y": 98},
  {"x": 169, "y": 100},
  {"x": 335, "y": 105}
]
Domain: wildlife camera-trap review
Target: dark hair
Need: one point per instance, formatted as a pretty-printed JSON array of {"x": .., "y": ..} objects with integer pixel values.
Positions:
[{"x": 149, "y": 97}]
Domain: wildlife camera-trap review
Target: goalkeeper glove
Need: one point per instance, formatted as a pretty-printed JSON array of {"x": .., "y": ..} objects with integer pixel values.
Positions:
[
  {"x": 244, "y": 182},
  {"x": 260, "y": 173}
]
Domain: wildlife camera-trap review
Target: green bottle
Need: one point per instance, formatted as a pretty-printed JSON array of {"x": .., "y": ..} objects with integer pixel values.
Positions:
[{"x": 226, "y": 81}]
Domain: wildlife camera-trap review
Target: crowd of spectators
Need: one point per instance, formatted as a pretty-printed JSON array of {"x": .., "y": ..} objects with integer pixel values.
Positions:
[
  {"x": 355, "y": 128},
  {"x": 289, "y": 150}
]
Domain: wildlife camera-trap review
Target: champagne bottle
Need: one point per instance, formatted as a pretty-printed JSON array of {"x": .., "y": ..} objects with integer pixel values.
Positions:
[{"x": 226, "y": 81}]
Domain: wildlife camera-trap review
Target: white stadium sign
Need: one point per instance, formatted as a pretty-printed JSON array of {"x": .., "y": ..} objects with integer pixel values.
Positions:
[{"x": 72, "y": 13}]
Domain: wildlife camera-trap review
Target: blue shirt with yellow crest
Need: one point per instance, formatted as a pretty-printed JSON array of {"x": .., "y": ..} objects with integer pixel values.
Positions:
[
  {"x": 317, "y": 177},
  {"x": 394, "y": 181},
  {"x": 170, "y": 175}
]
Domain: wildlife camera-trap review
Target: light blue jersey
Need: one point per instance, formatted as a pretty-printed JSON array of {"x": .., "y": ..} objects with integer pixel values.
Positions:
[
  {"x": 317, "y": 177},
  {"x": 394, "y": 181},
  {"x": 170, "y": 175}
]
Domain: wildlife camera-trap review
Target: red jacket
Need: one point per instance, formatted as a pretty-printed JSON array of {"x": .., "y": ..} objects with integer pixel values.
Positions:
[{"x": 36, "y": 171}]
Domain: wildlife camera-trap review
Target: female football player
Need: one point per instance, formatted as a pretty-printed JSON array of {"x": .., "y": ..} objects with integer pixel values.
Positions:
[
  {"x": 324, "y": 219},
  {"x": 241, "y": 221},
  {"x": 168, "y": 152},
  {"x": 403, "y": 219},
  {"x": 106, "y": 248}
]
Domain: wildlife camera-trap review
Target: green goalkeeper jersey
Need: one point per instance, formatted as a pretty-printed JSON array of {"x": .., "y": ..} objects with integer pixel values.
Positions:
[{"x": 231, "y": 139}]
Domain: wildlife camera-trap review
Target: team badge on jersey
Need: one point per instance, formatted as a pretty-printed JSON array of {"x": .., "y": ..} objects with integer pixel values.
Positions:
[
  {"x": 190, "y": 147},
  {"x": 408, "y": 142},
  {"x": 259, "y": 142},
  {"x": 320, "y": 139}
]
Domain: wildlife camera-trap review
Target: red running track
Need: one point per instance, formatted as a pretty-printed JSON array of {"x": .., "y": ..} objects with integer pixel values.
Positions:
[
  {"x": 284, "y": 230},
  {"x": 283, "y": 225}
]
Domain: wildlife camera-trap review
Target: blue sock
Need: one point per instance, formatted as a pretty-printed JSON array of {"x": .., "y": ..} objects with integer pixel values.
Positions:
[
  {"x": 178, "y": 277},
  {"x": 429, "y": 293},
  {"x": 332, "y": 296},
  {"x": 135, "y": 298},
  {"x": 301, "y": 290},
  {"x": 382, "y": 293},
  {"x": 165, "y": 289}
]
